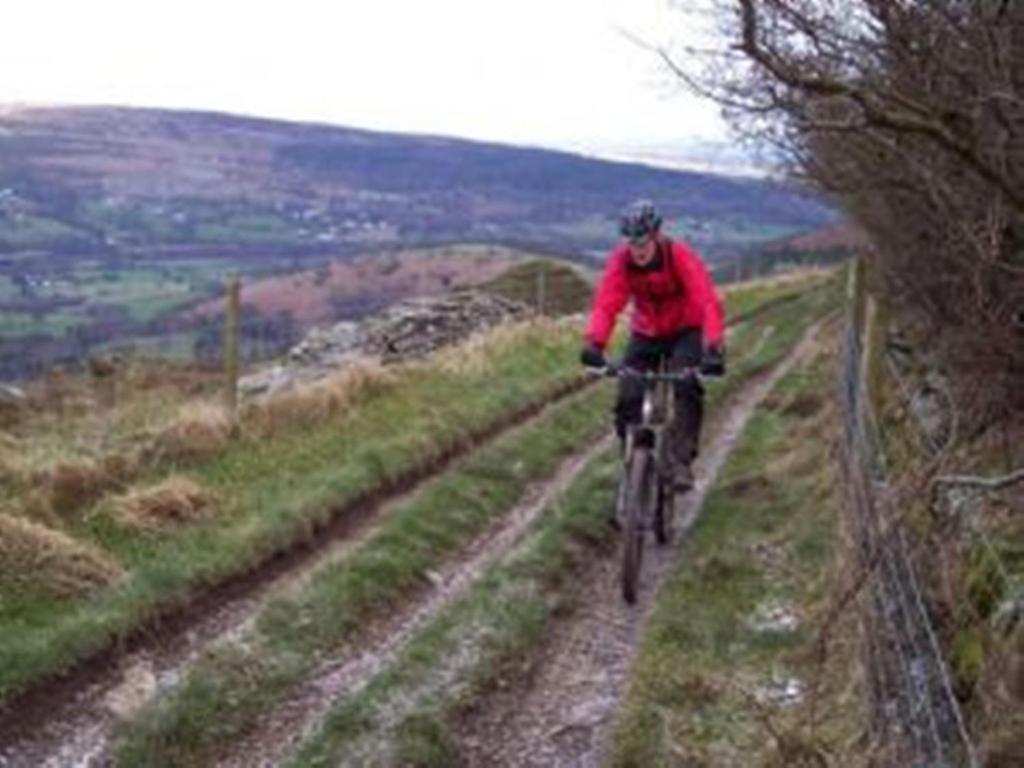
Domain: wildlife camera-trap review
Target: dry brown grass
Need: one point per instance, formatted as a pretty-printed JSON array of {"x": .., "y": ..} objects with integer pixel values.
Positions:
[
  {"x": 801, "y": 275},
  {"x": 42, "y": 559},
  {"x": 201, "y": 430},
  {"x": 11, "y": 469},
  {"x": 476, "y": 355},
  {"x": 73, "y": 485},
  {"x": 35, "y": 505},
  {"x": 175, "y": 501},
  {"x": 317, "y": 402}
]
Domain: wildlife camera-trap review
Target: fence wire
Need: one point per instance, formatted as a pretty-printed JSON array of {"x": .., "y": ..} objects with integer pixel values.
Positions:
[{"x": 915, "y": 715}]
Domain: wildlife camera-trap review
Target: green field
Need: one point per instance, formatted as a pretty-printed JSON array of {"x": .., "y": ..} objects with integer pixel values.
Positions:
[{"x": 91, "y": 290}]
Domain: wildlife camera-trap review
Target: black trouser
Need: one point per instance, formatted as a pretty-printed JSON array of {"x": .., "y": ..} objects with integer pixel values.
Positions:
[{"x": 644, "y": 353}]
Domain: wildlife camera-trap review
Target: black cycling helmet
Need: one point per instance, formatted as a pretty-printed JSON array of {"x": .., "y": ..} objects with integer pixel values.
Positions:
[{"x": 639, "y": 219}]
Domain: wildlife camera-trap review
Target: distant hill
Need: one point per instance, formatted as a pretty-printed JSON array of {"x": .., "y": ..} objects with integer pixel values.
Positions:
[{"x": 133, "y": 181}]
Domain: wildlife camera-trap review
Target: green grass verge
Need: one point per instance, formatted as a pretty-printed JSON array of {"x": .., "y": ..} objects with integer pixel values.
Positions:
[
  {"x": 702, "y": 689},
  {"x": 230, "y": 686},
  {"x": 756, "y": 345},
  {"x": 741, "y": 299}
]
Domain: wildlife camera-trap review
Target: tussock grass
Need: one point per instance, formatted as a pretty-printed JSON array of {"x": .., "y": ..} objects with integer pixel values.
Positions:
[
  {"x": 34, "y": 504},
  {"x": 479, "y": 354},
  {"x": 12, "y": 472},
  {"x": 175, "y": 501},
  {"x": 71, "y": 418},
  {"x": 274, "y": 491},
  {"x": 73, "y": 486},
  {"x": 42, "y": 560},
  {"x": 200, "y": 431},
  {"x": 305, "y": 406}
]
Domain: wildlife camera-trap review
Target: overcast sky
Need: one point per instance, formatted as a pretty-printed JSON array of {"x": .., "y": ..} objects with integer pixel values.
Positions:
[{"x": 545, "y": 72}]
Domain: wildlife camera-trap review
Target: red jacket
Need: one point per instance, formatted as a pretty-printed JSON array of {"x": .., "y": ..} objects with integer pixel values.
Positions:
[{"x": 669, "y": 295}]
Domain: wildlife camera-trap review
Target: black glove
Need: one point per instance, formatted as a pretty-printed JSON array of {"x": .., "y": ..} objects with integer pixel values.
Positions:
[
  {"x": 593, "y": 357},
  {"x": 713, "y": 362}
]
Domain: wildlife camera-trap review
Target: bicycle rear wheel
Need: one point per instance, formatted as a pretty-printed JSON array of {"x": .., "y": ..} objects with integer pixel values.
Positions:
[
  {"x": 664, "y": 511},
  {"x": 641, "y": 493}
]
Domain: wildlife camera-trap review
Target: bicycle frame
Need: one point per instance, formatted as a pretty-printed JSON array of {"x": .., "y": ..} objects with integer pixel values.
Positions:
[
  {"x": 643, "y": 497},
  {"x": 656, "y": 416}
]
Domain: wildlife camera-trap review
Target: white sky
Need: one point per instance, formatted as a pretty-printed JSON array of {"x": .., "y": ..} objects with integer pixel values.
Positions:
[{"x": 547, "y": 72}]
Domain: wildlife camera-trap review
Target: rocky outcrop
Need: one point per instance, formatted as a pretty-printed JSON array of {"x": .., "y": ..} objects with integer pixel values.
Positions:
[
  {"x": 417, "y": 327},
  {"x": 408, "y": 330}
]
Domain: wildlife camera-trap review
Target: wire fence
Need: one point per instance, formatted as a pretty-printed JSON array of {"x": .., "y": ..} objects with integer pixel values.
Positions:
[{"x": 915, "y": 715}]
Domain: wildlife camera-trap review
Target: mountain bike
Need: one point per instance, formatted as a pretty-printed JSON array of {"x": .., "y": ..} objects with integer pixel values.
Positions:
[{"x": 644, "y": 497}]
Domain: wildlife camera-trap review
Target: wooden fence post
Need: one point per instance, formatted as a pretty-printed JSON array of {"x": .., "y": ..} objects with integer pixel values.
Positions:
[
  {"x": 231, "y": 327},
  {"x": 878, "y": 325},
  {"x": 541, "y": 288},
  {"x": 857, "y": 294}
]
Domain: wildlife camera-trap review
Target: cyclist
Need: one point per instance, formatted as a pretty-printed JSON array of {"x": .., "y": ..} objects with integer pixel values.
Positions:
[{"x": 676, "y": 314}]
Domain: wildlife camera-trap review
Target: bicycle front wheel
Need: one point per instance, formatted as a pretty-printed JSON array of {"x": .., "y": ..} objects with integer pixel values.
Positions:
[{"x": 641, "y": 493}]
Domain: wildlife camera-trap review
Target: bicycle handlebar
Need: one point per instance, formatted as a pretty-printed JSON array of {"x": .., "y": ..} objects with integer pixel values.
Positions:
[{"x": 613, "y": 370}]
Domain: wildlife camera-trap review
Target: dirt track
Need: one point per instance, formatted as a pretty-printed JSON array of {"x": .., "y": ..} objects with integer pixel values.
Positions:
[
  {"x": 350, "y": 670},
  {"x": 563, "y": 716}
]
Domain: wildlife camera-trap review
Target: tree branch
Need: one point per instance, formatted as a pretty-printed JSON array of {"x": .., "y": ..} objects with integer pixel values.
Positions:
[{"x": 987, "y": 483}]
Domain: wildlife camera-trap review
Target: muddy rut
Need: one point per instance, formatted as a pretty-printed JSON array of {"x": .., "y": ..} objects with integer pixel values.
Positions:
[{"x": 563, "y": 717}]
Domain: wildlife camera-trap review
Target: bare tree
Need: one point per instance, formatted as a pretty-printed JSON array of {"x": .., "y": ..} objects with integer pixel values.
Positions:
[{"x": 910, "y": 113}]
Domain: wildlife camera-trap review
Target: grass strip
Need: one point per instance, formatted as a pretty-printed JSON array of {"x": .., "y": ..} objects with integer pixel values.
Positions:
[
  {"x": 748, "y": 298},
  {"x": 227, "y": 689},
  {"x": 758, "y": 345},
  {"x": 403, "y": 716},
  {"x": 721, "y": 676}
]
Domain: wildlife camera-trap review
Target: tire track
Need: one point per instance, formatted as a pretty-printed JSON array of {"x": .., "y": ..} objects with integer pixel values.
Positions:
[{"x": 281, "y": 730}]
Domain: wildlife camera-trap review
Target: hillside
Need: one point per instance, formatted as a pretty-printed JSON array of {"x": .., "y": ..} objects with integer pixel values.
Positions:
[
  {"x": 139, "y": 182},
  {"x": 352, "y": 288}
]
